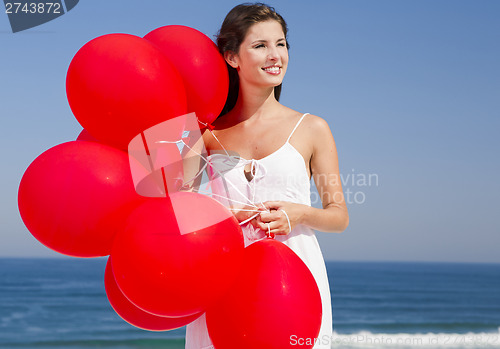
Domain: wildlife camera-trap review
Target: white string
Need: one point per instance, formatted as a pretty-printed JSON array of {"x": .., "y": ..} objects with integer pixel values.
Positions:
[
  {"x": 242, "y": 209},
  {"x": 238, "y": 209},
  {"x": 229, "y": 199},
  {"x": 251, "y": 170},
  {"x": 217, "y": 139},
  {"x": 203, "y": 168},
  {"x": 249, "y": 219},
  {"x": 253, "y": 193},
  {"x": 207, "y": 162},
  {"x": 206, "y": 125},
  {"x": 288, "y": 219}
]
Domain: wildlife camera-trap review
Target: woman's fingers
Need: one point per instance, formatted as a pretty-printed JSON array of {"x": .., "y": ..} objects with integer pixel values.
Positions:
[
  {"x": 273, "y": 205},
  {"x": 276, "y": 227},
  {"x": 269, "y": 216},
  {"x": 282, "y": 215},
  {"x": 255, "y": 222},
  {"x": 261, "y": 207}
]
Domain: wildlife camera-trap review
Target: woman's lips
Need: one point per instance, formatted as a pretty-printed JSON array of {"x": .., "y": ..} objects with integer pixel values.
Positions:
[{"x": 272, "y": 70}]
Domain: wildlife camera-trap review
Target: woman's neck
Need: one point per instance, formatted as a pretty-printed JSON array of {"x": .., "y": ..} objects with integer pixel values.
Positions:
[{"x": 254, "y": 102}]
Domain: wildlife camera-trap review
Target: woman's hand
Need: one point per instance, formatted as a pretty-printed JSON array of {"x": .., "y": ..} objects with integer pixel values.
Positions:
[
  {"x": 277, "y": 220},
  {"x": 246, "y": 212}
]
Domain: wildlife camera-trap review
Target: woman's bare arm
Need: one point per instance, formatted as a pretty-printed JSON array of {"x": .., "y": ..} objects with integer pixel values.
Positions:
[
  {"x": 325, "y": 172},
  {"x": 333, "y": 217}
]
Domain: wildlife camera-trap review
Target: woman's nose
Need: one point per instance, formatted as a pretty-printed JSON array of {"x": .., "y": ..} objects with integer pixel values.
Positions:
[{"x": 273, "y": 53}]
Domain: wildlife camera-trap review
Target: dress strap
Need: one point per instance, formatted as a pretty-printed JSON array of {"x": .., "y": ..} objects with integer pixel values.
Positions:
[{"x": 296, "y": 127}]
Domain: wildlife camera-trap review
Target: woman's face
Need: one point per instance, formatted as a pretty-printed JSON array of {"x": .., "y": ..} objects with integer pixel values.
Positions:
[{"x": 263, "y": 56}]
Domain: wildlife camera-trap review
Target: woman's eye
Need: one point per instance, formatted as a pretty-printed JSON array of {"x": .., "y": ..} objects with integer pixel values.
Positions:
[
  {"x": 259, "y": 46},
  {"x": 281, "y": 44}
]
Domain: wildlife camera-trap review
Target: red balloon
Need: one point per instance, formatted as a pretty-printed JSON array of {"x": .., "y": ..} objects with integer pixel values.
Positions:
[
  {"x": 119, "y": 85},
  {"x": 274, "y": 297},
  {"x": 177, "y": 254},
  {"x": 74, "y": 197},
  {"x": 135, "y": 316},
  {"x": 202, "y": 67},
  {"x": 86, "y": 136}
]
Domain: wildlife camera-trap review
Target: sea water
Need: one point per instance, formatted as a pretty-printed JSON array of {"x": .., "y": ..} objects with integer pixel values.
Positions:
[{"x": 61, "y": 303}]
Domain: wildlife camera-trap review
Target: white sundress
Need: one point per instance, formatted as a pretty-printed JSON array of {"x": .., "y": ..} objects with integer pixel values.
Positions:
[{"x": 282, "y": 175}]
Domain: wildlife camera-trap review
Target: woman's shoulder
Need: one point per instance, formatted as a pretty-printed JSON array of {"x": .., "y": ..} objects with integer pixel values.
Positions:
[
  {"x": 314, "y": 131},
  {"x": 312, "y": 123},
  {"x": 315, "y": 121}
]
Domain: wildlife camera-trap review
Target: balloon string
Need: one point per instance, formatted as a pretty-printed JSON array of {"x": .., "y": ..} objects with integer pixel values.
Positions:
[
  {"x": 268, "y": 235},
  {"x": 238, "y": 202},
  {"x": 251, "y": 187},
  {"x": 217, "y": 139},
  {"x": 200, "y": 172},
  {"x": 287, "y": 219},
  {"x": 239, "y": 209},
  {"x": 217, "y": 171},
  {"x": 213, "y": 134},
  {"x": 233, "y": 200},
  {"x": 236, "y": 209},
  {"x": 249, "y": 219},
  {"x": 207, "y": 163}
]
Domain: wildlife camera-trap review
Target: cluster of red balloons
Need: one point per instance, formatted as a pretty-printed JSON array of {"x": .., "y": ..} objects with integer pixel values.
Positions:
[{"x": 175, "y": 257}]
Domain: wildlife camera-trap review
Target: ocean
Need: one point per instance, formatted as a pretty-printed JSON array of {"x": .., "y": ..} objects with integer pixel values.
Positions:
[{"x": 61, "y": 303}]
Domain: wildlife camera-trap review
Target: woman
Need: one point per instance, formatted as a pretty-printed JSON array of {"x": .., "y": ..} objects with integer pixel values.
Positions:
[{"x": 263, "y": 154}]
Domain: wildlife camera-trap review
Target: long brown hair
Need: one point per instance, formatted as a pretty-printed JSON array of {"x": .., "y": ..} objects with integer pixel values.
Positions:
[{"x": 233, "y": 32}]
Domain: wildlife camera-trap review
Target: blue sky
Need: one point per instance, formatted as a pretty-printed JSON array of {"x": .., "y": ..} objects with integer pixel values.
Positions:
[{"x": 410, "y": 89}]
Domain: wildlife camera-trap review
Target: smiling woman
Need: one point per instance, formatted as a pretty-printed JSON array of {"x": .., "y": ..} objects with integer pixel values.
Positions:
[
  {"x": 263, "y": 56},
  {"x": 233, "y": 32},
  {"x": 262, "y": 156}
]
